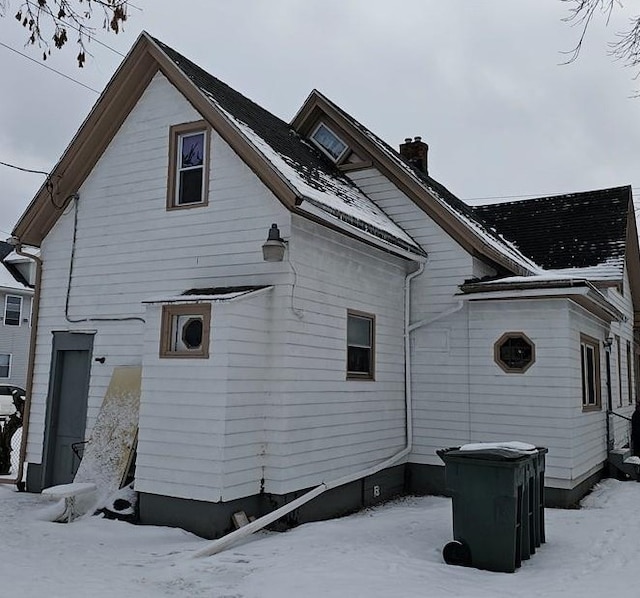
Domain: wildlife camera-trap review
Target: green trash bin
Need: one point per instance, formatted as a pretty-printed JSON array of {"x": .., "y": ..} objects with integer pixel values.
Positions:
[{"x": 498, "y": 506}]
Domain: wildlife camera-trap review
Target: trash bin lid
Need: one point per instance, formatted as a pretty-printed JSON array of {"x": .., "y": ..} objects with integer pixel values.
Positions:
[{"x": 490, "y": 451}]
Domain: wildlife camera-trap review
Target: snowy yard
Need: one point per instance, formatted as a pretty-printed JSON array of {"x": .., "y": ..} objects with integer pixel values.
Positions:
[{"x": 390, "y": 551}]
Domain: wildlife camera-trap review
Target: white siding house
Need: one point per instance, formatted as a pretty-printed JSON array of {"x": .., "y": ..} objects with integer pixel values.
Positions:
[
  {"x": 372, "y": 337},
  {"x": 15, "y": 332}
]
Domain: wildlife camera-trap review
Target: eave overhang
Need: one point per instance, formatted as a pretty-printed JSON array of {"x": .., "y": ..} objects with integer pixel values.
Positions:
[{"x": 581, "y": 292}]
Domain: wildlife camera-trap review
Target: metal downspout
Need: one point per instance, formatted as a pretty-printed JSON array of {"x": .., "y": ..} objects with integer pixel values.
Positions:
[
  {"x": 35, "y": 308},
  {"x": 223, "y": 543}
]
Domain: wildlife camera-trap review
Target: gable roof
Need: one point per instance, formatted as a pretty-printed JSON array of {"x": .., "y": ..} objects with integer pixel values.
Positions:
[
  {"x": 452, "y": 214},
  {"x": 294, "y": 170}
]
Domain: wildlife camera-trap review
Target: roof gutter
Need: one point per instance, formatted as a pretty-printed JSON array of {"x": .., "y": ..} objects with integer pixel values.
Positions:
[
  {"x": 325, "y": 218},
  {"x": 582, "y": 292},
  {"x": 35, "y": 310}
]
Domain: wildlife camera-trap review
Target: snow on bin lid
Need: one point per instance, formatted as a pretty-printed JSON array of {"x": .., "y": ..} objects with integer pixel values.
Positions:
[{"x": 510, "y": 445}]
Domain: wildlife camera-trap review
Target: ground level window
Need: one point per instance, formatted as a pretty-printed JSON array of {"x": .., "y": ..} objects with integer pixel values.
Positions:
[
  {"x": 360, "y": 345},
  {"x": 5, "y": 365},
  {"x": 185, "y": 331},
  {"x": 590, "y": 370}
]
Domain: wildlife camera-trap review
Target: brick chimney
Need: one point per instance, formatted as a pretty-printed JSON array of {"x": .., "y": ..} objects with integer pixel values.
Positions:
[{"x": 415, "y": 152}]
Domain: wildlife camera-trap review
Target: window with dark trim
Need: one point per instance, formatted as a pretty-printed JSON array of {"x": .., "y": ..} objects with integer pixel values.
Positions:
[
  {"x": 12, "y": 310},
  {"x": 185, "y": 330},
  {"x": 188, "y": 178},
  {"x": 329, "y": 142},
  {"x": 360, "y": 346},
  {"x": 590, "y": 372},
  {"x": 5, "y": 365},
  {"x": 514, "y": 352}
]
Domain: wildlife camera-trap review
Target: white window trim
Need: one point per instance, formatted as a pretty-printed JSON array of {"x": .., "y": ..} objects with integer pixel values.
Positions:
[
  {"x": 6, "y": 304},
  {"x": 322, "y": 149},
  {"x": 9, "y": 369}
]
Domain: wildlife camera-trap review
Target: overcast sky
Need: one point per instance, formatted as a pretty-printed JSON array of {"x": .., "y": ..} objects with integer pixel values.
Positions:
[{"x": 480, "y": 80}]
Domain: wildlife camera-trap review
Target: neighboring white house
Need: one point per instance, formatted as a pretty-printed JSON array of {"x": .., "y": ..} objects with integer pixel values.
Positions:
[
  {"x": 15, "y": 333},
  {"x": 382, "y": 320}
]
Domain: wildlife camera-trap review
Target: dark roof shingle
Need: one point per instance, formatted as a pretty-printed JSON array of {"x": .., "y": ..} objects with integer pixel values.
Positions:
[{"x": 575, "y": 230}]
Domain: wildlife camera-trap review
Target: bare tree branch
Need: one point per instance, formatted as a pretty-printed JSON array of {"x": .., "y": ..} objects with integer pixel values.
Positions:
[
  {"x": 626, "y": 49},
  {"x": 49, "y": 22}
]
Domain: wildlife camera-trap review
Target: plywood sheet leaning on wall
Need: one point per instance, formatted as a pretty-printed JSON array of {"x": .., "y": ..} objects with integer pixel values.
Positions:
[{"x": 108, "y": 453}]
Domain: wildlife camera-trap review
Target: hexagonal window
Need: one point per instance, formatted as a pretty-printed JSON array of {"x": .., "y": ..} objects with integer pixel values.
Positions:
[{"x": 514, "y": 352}]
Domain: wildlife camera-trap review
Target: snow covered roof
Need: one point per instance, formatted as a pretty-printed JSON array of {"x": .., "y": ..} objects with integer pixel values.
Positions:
[
  {"x": 210, "y": 294},
  {"x": 7, "y": 269},
  {"x": 455, "y": 208},
  {"x": 572, "y": 235},
  {"x": 313, "y": 176}
]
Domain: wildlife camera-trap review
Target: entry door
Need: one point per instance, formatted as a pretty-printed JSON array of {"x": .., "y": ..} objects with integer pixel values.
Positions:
[{"x": 67, "y": 410}]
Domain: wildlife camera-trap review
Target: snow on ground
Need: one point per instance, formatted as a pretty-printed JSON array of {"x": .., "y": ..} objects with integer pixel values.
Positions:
[{"x": 390, "y": 551}]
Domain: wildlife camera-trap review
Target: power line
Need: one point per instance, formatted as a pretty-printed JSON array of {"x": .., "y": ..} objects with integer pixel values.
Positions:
[
  {"x": 529, "y": 195},
  {"x": 48, "y": 67},
  {"x": 24, "y": 169}
]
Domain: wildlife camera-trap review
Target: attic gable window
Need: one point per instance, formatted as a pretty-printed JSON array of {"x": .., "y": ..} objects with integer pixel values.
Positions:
[
  {"x": 329, "y": 142},
  {"x": 188, "y": 178}
]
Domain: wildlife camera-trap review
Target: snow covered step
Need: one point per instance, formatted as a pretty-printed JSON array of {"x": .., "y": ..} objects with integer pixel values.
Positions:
[{"x": 70, "y": 492}]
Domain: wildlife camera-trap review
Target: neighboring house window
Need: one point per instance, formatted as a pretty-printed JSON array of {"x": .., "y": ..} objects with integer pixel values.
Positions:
[
  {"x": 188, "y": 182},
  {"x": 5, "y": 365},
  {"x": 590, "y": 369},
  {"x": 360, "y": 345},
  {"x": 329, "y": 142},
  {"x": 12, "y": 310},
  {"x": 514, "y": 352},
  {"x": 185, "y": 331}
]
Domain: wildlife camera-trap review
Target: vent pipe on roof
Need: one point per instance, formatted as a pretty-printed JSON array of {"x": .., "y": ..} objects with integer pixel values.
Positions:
[{"x": 415, "y": 152}]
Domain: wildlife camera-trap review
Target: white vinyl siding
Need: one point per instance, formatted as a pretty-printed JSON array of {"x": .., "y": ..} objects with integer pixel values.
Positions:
[
  {"x": 439, "y": 349},
  {"x": 320, "y": 425},
  {"x": 130, "y": 248},
  {"x": 14, "y": 341}
]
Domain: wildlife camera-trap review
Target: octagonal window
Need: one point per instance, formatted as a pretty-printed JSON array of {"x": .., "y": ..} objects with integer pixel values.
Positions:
[{"x": 514, "y": 352}]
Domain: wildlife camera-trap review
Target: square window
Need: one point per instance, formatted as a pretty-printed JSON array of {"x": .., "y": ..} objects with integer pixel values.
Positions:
[
  {"x": 5, "y": 365},
  {"x": 590, "y": 372},
  {"x": 329, "y": 142},
  {"x": 360, "y": 346},
  {"x": 185, "y": 331},
  {"x": 188, "y": 179},
  {"x": 12, "y": 310}
]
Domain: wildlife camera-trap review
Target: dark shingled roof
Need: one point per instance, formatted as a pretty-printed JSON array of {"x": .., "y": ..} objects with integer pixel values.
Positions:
[{"x": 565, "y": 231}]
